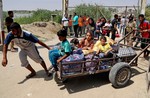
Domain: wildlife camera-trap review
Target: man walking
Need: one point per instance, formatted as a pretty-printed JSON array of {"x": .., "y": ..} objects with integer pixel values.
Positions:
[
  {"x": 8, "y": 22},
  {"x": 26, "y": 41}
]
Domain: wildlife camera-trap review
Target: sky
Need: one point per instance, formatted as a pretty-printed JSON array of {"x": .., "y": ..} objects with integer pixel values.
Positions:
[{"x": 56, "y": 4}]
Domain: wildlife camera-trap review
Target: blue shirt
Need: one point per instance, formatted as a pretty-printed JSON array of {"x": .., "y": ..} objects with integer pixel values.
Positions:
[
  {"x": 75, "y": 19},
  {"x": 25, "y": 40},
  {"x": 65, "y": 47}
]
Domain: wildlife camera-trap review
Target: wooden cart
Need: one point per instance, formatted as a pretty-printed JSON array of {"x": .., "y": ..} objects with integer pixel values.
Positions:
[{"x": 119, "y": 66}]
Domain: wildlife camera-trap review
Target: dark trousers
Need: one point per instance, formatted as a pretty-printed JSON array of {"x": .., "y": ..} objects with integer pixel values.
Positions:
[
  {"x": 113, "y": 36},
  {"x": 76, "y": 30},
  {"x": 144, "y": 43},
  {"x": 80, "y": 30}
]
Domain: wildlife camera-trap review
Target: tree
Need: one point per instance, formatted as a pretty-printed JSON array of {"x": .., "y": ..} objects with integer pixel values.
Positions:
[
  {"x": 93, "y": 11},
  {"x": 147, "y": 13}
]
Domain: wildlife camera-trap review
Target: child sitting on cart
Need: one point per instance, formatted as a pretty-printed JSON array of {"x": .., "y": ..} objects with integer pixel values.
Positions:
[
  {"x": 57, "y": 55},
  {"x": 87, "y": 43},
  {"x": 104, "y": 49}
]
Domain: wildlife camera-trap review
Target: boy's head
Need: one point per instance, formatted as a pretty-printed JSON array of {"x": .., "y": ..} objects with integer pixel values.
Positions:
[
  {"x": 141, "y": 17},
  {"x": 15, "y": 28},
  {"x": 10, "y": 13},
  {"x": 116, "y": 16},
  {"x": 62, "y": 35}
]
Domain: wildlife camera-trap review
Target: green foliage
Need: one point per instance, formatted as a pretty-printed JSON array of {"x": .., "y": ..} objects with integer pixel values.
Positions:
[
  {"x": 42, "y": 15},
  {"x": 39, "y": 15},
  {"x": 24, "y": 20},
  {"x": 58, "y": 19},
  {"x": 93, "y": 11},
  {"x": 147, "y": 12},
  {"x": 4, "y": 15}
]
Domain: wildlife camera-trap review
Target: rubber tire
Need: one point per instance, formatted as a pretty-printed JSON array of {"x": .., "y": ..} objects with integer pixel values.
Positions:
[{"x": 115, "y": 71}]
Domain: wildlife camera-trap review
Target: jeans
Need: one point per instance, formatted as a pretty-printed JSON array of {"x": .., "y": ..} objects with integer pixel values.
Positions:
[
  {"x": 53, "y": 57},
  {"x": 108, "y": 55},
  {"x": 97, "y": 34},
  {"x": 80, "y": 30},
  {"x": 70, "y": 30}
]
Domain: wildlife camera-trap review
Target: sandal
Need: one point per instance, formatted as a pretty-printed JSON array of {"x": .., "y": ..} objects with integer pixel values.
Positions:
[
  {"x": 30, "y": 75},
  {"x": 13, "y": 50}
]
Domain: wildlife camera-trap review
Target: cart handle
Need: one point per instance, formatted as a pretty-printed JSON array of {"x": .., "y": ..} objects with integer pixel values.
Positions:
[{"x": 139, "y": 54}]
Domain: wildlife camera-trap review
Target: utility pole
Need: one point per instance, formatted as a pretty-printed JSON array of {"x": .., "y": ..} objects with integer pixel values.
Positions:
[
  {"x": 1, "y": 23},
  {"x": 142, "y": 6},
  {"x": 65, "y": 7}
]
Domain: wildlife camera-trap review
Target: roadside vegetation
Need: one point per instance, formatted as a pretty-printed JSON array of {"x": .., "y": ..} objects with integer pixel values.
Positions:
[
  {"x": 34, "y": 16},
  {"x": 147, "y": 12},
  {"x": 94, "y": 11}
]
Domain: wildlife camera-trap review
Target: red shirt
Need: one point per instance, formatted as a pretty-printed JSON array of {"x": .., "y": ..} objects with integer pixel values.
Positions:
[
  {"x": 70, "y": 22},
  {"x": 145, "y": 26}
]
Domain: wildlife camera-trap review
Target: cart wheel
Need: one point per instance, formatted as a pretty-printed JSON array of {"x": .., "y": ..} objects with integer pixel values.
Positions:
[{"x": 120, "y": 74}]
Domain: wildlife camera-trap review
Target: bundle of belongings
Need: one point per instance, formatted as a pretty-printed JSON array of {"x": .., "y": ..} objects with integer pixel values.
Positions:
[{"x": 72, "y": 64}]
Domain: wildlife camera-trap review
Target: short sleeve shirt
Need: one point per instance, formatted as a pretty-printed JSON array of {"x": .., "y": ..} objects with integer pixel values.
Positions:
[
  {"x": 8, "y": 20},
  {"x": 65, "y": 21},
  {"x": 104, "y": 48},
  {"x": 24, "y": 41},
  {"x": 75, "y": 19},
  {"x": 65, "y": 47},
  {"x": 80, "y": 22},
  {"x": 144, "y": 26},
  {"x": 114, "y": 22}
]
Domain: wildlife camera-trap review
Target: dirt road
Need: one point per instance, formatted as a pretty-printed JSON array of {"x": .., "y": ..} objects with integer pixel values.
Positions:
[{"x": 14, "y": 85}]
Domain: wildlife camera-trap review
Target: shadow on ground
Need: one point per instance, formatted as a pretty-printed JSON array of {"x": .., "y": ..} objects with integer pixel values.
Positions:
[
  {"x": 136, "y": 72},
  {"x": 78, "y": 84},
  {"x": 39, "y": 74}
]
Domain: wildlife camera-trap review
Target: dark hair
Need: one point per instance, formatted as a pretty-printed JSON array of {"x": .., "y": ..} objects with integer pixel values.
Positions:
[
  {"x": 141, "y": 15},
  {"x": 10, "y": 12},
  {"x": 93, "y": 23},
  {"x": 75, "y": 41},
  {"x": 104, "y": 38},
  {"x": 70, "y": 16},
  {"x": 15, "y": 25},
  {"x": 89, "y": 31},
  {"x": 62, "y": 33},
  {"x": 131, "y": 18},
  {"x": 115, "y": 15}
]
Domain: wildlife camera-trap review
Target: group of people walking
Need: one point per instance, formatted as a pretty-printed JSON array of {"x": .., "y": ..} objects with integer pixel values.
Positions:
[{"x": 118, "y": 26}]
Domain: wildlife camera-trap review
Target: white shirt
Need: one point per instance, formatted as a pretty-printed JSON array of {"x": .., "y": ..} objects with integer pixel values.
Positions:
[
  {"x": 108, "y": 24},
  {"x": 65, "y": 21}
]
